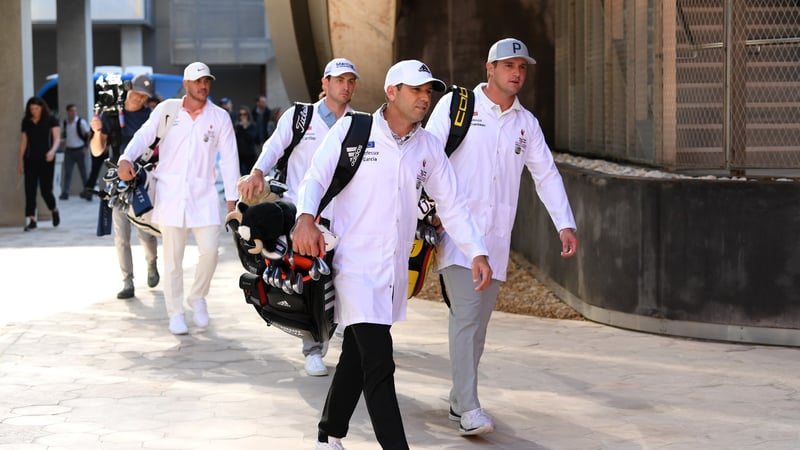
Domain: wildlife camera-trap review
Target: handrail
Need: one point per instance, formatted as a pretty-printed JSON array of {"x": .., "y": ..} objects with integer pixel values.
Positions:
[{"x": 752, "y": 42}]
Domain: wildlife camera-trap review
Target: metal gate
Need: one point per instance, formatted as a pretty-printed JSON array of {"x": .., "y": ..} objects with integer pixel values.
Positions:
[
  {"x": 738, "y": 84},
  {"x": 680, "y": 84}
]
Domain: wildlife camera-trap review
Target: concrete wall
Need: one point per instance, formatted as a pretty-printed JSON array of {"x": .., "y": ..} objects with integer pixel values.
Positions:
[
  {"x": 16, "y": 82},
  {"x": 454, "y": 40},
  {"x": 701, "y": 252}
]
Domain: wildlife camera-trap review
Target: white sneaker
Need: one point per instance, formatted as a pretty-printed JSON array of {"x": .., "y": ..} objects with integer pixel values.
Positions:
[
  {"x": 475, "y": 421},
  {"x": 177, "y": 324},
  {"x": 315, "y": 367},
  {"x": 332, "y": 444},
  {"x": 200, "y": 313}
]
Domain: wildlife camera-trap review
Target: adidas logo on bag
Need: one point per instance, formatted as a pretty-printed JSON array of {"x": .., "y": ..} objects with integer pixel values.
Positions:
[{"x": 353, "y": 152}]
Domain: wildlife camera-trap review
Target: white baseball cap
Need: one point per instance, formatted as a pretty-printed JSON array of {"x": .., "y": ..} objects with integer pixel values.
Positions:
[
  {"x": 412, "y": 73},
  {"x": 338, "y": 66},
  {"x": 509, "y": 48},
  {"x": 197, "y": 70}
]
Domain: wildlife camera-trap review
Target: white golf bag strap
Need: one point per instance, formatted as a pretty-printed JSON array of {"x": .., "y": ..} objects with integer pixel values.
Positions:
[{"x": 168, "y": 113}]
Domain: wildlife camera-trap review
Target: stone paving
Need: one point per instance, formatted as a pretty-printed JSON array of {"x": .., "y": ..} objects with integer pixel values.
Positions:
[{"x": 80, "y": 369}]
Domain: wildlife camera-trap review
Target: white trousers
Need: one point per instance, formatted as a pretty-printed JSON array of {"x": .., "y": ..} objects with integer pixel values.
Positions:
[
  {"x": 173, "y": 241},
  {"x": 470, "y": 312}
]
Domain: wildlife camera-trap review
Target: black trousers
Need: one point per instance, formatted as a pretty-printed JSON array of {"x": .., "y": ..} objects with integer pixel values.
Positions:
[
  {"x": 365, "y": 365},
  {"x": 38, "y": 173},
  {"x": 97, "y": 165}
]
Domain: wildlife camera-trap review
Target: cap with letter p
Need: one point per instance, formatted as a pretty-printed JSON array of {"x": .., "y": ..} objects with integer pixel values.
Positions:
[
  {"x": 197, "y": 70},
  {"x": 412, "y": 73},
  {"x": 509, "y": 48}
]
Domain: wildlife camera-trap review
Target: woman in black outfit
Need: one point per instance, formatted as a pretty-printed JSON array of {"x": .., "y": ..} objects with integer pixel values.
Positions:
[
  {"x": 37, "y": 155},
  {"x": 246, "y": 140}
]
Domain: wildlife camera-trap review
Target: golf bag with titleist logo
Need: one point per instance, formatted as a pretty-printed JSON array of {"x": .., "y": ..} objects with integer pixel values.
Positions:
[{"x": 295, "y": 293}]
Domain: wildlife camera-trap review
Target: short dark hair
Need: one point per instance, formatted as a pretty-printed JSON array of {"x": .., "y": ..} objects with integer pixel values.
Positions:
[{"x": 70, "y": 106}]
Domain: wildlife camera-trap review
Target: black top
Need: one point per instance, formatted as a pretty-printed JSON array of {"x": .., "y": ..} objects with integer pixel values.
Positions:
[
  {"x": 133, "y": 121},
  {"x": 246, "y": 140},
  {"x": 40, "y": 137}
]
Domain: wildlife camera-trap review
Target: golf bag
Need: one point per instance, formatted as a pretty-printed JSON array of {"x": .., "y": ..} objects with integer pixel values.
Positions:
[
  {"x": 294, "y": 293},
  {"x": 423, "y": 253},
  {"x": 133, "y": 197},
  {"x": 305, "y": 312}
]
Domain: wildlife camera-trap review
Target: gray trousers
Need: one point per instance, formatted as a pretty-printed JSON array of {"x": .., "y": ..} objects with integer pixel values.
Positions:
[
  {"x": 470, "y": 312},
  {"x": 312, "y": 347},
  {"x": 122, "y": 241},
  {"x": 73, "y": 156}
]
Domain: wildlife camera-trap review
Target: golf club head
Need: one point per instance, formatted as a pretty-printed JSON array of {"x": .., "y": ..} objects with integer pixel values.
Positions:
[
  {"x": 426, "y": 206},
  {"x": 277, "y": 277},
  {"x": 267, "y": 275},
  {"x": 279, "y": 249},
  {"x": 433, "y": 237},
  {"x": 322, "y": 267},
  {"x": 313, "y": 271},
  {"x": 330, "y": 239},
  {"x": 287, "y": 282},
  {"x": 110, "y": 176},
  {"x": 297, "y": 285},
  {"x": 276, "y": 187}
]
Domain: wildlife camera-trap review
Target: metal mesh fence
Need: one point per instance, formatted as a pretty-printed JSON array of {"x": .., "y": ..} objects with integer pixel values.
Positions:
[{"x": 686, "y": 84}]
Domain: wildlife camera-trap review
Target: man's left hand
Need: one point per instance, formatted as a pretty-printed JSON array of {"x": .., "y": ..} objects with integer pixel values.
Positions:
[
  {"x": 569, "y": 242},
  {"x": 481, "y": 272}
]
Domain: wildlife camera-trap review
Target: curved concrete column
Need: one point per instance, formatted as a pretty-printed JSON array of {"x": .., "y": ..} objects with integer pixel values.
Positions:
[
  {"x": 364, "y": 32},
  {"x": 307, "y": 34}
]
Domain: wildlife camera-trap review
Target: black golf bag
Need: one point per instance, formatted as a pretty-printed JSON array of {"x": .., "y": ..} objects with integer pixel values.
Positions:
[{"x": 294, "y": 293}]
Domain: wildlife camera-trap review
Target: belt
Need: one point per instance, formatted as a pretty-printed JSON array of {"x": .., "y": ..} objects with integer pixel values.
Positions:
[{"x": 75, "y": 148}]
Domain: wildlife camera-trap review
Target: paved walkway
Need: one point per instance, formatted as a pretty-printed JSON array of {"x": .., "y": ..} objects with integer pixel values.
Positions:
[{"x": 80, "y": 369}]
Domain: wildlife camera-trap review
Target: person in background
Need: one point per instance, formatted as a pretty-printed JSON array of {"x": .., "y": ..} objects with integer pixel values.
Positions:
[
  {"x": 503, "y": 138},
  {"x": 37, "y": 155},
  {"x": 105, "y": 126},
  {"x": 152, "y": 101},
  {"x": 186, "y": 197},
  {"x": 75, "y": 132},
  {"x": 246, "y": 140},
  {"x": 274, "y": 118},
  {"x": 227, "y": 104},
  {"x": 375, "y": 217},
  {"x": 261, "y": 116},
  {"x": 339, "y": 81}
]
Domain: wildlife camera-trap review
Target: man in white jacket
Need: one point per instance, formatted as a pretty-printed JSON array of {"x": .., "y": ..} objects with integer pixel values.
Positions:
[
  {"x": 503, "y": 138},
  {"x": 186, "y": 195},
  {"x": 375, "y": 218},
  {"x": 338, "y": 84}
]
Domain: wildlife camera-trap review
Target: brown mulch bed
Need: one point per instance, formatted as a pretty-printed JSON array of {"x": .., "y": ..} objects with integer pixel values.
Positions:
[{"x": 521, "y": 293}]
